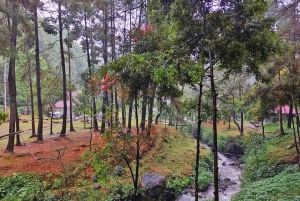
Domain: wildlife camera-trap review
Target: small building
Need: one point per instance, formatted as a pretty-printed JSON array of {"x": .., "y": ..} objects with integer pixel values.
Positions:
[
  {"x": 59, "y": 106},
  {"x": 274, "y": 115}
]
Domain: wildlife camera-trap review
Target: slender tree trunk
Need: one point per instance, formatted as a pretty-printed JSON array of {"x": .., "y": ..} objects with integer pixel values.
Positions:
[
  {"x": 123, "y": 113},
  {"x": 215, "y": 135},
  {"x": 103, "y": 111},
  {"x": 281, "y": 131},
  {"x": 229, "y": 121},
  {"x": 18, "y": 141},
  {"x": 12, "y": 78},
  {"x": 70, "y": 84},
  {"x": 199, "y": 120},
  {"x": 263, "y": 128},
  {"x": 111, "y": 107},
  {"x": 129, "y": 118},
  {"x": 33, "y": 133},
  {"x": 63, "y": 65},
  {"x": 234, "y": 116},
  {"x": 242, "y": 113},
  {"x": 290, "y": 117},
  {"x": 4, "y": 85},
  {"x": 297, "y": 121},
  {"x": 137, "y": 158},
  {"x": 150, "y": 109},
  {"x": 144, "y": 107},
  {"x": 38, "y": 75},
  {"x": 296, "y": 144},
  {"x": 51, "y": 120},
  {"x": 117, "y": 107}
]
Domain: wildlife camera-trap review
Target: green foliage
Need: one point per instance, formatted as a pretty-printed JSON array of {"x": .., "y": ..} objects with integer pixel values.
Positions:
[
  {"x": 284, "y": 186},
  {"x": 175, "y": 186},
  {"x": 231, "y": 144},
  {"x": 22, "y": 187},
  {"x": 3, "y": 116},
  {"x": 205, "y": 177}
]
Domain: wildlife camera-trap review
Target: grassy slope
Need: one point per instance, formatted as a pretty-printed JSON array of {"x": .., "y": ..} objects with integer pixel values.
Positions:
[{"x": 283, "y": 186}]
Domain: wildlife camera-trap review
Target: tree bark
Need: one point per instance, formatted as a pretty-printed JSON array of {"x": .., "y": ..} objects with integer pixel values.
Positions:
[
  {"x": 215, "y": 135},
  {"x": 70, "y": 84},
  {"x": 199, "y": 120},
  {"x": 150, "y": 109},
  {"x": 38, "y": 75},
  {"x": 129, "y": 118},
  {"x": 51, "y": 120},
  {"x": 12, "y": 78},
  {"x": 123, "y": 113},
  {"x": 290, "y": 117},
  {"x": 103, "y": 111},
  {"x": 33, "y": 133},
  {"x": 281, "y": 131},
  {"x": 137, "y": 157},
  {"x": 144, "y": 107},
  {"x": 63, "y": 65},
  {"x": 4, "y": 85}
]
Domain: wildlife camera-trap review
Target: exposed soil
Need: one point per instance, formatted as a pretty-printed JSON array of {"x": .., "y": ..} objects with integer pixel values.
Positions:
[
  {"x": 68, "y": 149},
  {"x": 48, "y": 156}
]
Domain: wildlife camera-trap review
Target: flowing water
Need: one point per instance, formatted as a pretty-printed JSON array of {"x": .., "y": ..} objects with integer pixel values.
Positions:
[{"x": 229, "y": 173}]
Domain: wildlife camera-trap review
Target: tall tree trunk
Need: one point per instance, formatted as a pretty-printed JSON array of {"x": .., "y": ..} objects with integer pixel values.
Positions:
[
  {"x": 234, "y": 115},
  {"x": 12, "y": 78},
  {"x": 51, "y": 120},
  {"x": 137, "y": 157},
  {"x": 150, "y": 109},
  {"x": 281, "y": 131},
  {"x": 297, "y": 121},
  {"x": 242, "y": 113},
  {"x": 129, "y": 118},
  {"x": 144, "y": 107},
  {"x": 215, "y": 135},
  {"x": 63, "y": 65},
  {"x": 90, "y": 73},
  {"x": 111, "y": 107},
  {"x": 38, "y": 75},
  {"x": 33, "y": 133},
  {"x": 4, "y": 85},
  {"x": 290, "y": 117},
  {"x": 18, "y": 141},
  {"x": 105, "y": 59},
  {"x": 103, "y": 111},
  {"x": 70, "y": 84},
  {"x": 199, "y": 122},
  {"x": 123, "y": 113},
  {"x": 263, "y": 128},
  {"x": 117, "y": 107}
]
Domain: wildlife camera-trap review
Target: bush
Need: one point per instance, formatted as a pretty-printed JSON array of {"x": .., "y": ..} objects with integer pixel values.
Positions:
[
  {"x": 23, "y": 187},
  {"x": 284, "y": 186},
  {"x": 231, "y": 145}
]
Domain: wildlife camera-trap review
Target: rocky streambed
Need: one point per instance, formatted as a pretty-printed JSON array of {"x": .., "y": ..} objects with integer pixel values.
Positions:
[{"x": 229, "y": 173}]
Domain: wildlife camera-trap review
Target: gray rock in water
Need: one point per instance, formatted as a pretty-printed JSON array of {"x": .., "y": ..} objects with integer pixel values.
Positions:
[
  {"x": 228, "y": 182},
  {"x": 155, "y": 184}
]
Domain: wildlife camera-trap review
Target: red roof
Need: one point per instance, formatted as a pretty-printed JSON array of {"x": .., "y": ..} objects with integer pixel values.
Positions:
[
  {"x": 60, "y": 104},
  {"x": 285, "y": 110}
]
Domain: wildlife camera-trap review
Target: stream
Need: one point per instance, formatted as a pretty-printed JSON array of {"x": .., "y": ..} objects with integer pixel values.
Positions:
[{"x": 230, "y": 184}]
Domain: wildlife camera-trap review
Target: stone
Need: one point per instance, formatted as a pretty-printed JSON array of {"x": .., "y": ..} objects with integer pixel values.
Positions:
[
  {"x": 155, "y": 184},
  {"x": 119, "y": 171},
  {"x": 95, "y": 178},
  {"x": 97, "y": 186}
]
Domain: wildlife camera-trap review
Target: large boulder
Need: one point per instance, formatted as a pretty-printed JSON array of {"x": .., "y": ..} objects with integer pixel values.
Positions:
[{"x": 155, "y": 184}]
